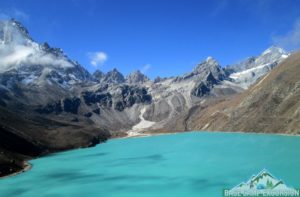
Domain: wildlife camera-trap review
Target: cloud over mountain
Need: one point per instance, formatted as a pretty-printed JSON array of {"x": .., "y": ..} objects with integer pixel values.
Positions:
[
  {"x": 291, "y": 40},
  {"x": 97, "y": 58}
]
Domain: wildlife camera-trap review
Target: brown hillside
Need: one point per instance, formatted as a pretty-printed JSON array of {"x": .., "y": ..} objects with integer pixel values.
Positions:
[{"x": 270, "y": 105}]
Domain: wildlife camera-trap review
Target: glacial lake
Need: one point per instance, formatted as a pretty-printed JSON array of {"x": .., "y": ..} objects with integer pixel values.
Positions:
[{"x": 191, "y": 164}]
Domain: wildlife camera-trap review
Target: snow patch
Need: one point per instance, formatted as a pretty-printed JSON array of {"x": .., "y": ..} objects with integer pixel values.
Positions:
[{"x": 143, "y": 124}]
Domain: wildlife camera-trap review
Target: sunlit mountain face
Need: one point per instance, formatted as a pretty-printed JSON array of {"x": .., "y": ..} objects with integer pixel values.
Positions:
[
  {"x": 58, "y": 94},
  {"x": 179, "y": 98}
]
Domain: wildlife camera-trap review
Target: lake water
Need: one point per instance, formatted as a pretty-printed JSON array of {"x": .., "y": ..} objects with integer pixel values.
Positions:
[{"x": 198, "y": 164}]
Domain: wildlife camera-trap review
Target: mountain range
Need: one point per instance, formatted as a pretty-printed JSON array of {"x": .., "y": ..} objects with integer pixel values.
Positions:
[{"x": 49, "y": 102}]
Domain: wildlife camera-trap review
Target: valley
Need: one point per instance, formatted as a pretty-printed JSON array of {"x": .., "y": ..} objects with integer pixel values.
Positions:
[{"x": 50, "y": 103}]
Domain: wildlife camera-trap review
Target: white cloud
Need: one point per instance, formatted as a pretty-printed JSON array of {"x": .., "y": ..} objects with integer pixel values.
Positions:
[
  {"x": 145, "y": 68},
  {"x": 13, "y": 56},
  {"x": 16, "y": 50},
  {"x": 97, "y": 58},
  {"x": 291, "y": 40}
]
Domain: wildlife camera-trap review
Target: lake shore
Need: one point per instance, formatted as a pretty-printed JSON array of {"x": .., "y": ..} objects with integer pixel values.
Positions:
[
  {"x": 183, "y": 160},
  {"x": 139, "y": 134},
  {"x": 26, "y": 167},
  {"x": 131, "y": 134}
]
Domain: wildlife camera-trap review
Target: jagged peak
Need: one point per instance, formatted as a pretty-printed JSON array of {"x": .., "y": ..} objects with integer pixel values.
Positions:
[
  {"x": 271, "y": 55},
  {"x": 274, "y": 49},
  {"x": 210, "y": 59},
  {"x": 55, "y": 51},
  {"x": 136, "y": 72},
  {"x": 115, "y": 70},
  {"x": 98, "y": 72},
  {"x": 114, "y": 76},
  {"x": 137, "y": 77},
  {"x": 13, "y": 31},
  {"x": 208, "y": 64},
  {"x": 27, "y": 55},
  {"x": 20, "y": 26}
]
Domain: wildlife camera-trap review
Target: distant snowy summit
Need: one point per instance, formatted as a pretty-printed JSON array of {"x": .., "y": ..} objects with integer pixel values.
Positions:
[
  {"x": 43, "y": 65},
  {"x": 35, "y": 63},
  {"x": 250, "y": 70}
]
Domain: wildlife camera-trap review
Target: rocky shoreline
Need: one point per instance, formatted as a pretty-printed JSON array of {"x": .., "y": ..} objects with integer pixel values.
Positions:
[{"x": 27, "y": 166}]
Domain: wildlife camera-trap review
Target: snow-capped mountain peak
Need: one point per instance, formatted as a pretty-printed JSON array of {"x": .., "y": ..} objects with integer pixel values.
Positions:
[
  {"x": 23, "y": 56},
  {"x": 274, "y": 49},
  {"x": 271, "y": 54},
  {"x": 207, "y": 64},
  {"x": 13, "y": 32},
  {"x": 249, "y": 71},
  {"x": 210, "y": 59}
]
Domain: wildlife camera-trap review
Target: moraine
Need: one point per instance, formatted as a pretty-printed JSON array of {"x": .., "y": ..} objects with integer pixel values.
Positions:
[{"x": 186, "y": 164}]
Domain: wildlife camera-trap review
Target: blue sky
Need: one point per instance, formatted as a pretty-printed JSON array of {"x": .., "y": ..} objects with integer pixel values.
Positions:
[{"x": 159, "y": 37}]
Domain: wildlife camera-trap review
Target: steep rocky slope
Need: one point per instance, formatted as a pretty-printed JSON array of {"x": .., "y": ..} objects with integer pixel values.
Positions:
[
  {"x": 271, "y": 105},
  {"x": 24, "y": 135}
]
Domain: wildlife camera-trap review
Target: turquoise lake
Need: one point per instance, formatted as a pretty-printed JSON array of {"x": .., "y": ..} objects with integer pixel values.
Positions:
[{"x": 198, "y": 164}]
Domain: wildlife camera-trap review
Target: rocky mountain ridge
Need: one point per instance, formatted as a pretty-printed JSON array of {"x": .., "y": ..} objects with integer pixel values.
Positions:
[
  {"x": 108, "y": 98},
  {"x": 45, "y": 97}
]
